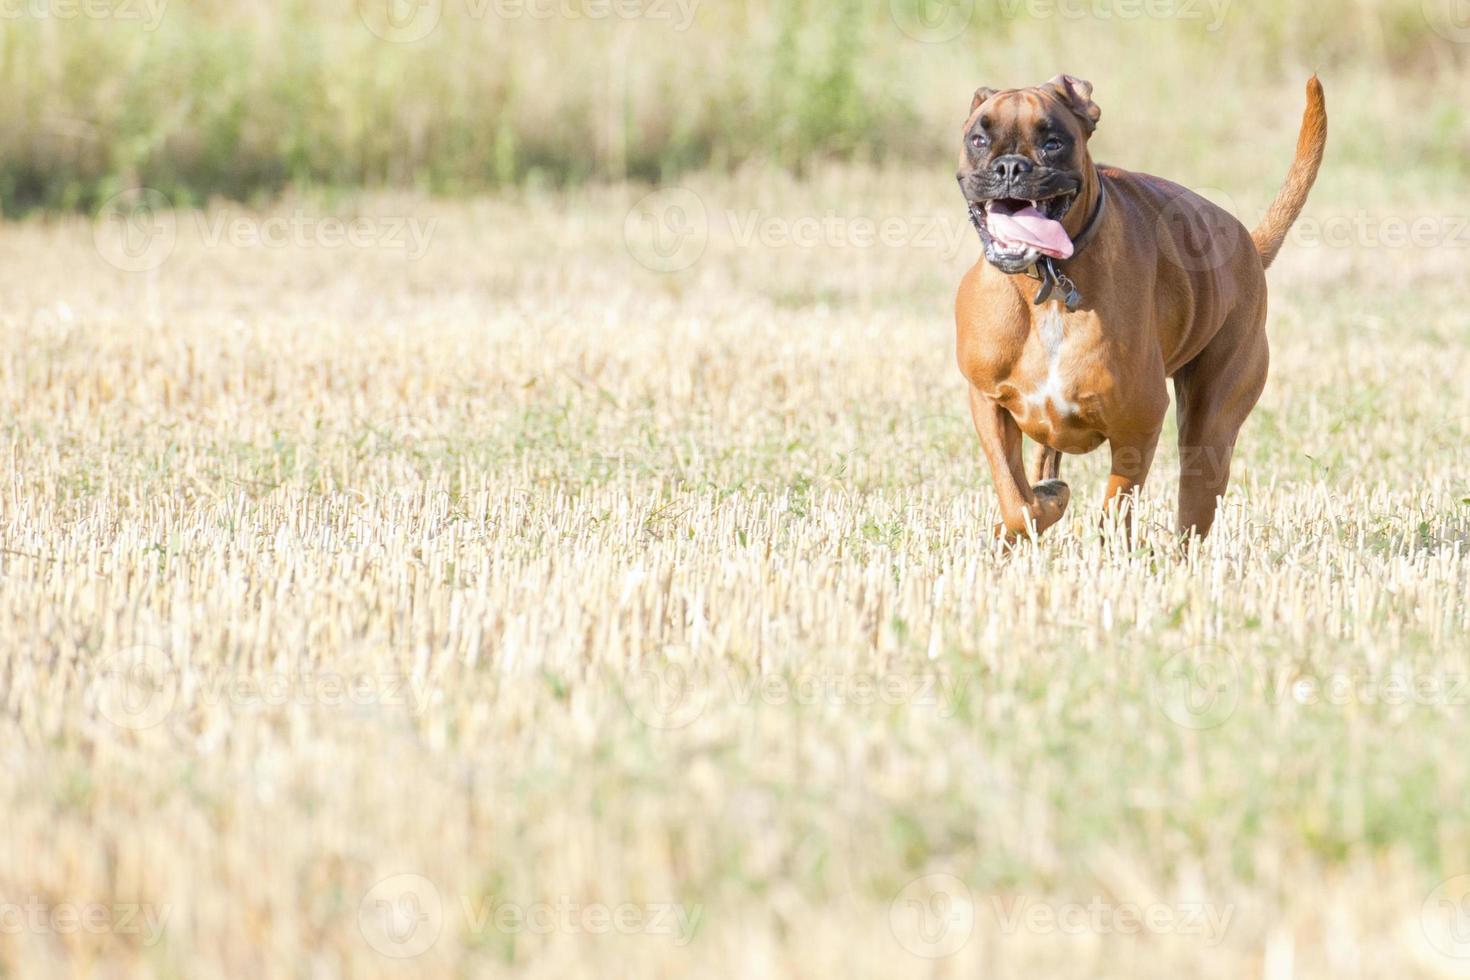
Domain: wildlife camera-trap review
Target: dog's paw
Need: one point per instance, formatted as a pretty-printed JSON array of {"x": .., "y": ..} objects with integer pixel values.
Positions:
[{"x": 1051, "y": 499}]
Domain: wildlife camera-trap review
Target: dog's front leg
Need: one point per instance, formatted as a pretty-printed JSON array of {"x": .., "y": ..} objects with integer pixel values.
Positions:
[{"x": 1024, "y": 510}]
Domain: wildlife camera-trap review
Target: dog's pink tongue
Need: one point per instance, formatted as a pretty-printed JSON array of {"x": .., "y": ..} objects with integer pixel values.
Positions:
[{"x": 1029, "y": 226}]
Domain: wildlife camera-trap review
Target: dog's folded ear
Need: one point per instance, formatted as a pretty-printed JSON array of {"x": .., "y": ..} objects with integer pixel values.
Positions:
[
  {"x": 982, "y": 95},
  {"x": 1075, "y": 94}
]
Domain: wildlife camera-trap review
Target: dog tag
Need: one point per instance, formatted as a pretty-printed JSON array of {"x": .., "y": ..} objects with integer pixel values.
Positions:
[
  {"x": 1050, "y": 280},
  {"x": 1047, "y": 285},
  {"x": 1070, "y": 295}
]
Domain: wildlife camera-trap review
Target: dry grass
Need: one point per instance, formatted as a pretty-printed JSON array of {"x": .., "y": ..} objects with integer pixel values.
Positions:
[{"x": 614, "y": 561}]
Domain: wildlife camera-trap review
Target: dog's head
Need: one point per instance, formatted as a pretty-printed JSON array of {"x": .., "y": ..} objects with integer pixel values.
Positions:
[{"x": 1026, "y": 148}]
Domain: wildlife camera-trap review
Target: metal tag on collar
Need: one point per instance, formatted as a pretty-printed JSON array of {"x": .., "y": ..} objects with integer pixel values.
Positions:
[{"x": 1051, "y": 278}]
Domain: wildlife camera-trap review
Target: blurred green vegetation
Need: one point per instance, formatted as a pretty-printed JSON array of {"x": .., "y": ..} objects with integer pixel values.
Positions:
[{"x": 203, "y": 98}]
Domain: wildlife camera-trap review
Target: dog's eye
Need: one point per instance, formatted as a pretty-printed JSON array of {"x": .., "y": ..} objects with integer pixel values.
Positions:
[
  {"x": 978, "y": 141},
  {"x": 1053, "y": 145}
]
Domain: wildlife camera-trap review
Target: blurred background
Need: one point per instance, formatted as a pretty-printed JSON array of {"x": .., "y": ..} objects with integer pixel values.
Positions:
[{"x": 200, "y": 99}]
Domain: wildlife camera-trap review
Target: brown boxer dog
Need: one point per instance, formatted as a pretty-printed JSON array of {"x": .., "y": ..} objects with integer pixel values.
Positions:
[{"x": 1097, "y": 285}]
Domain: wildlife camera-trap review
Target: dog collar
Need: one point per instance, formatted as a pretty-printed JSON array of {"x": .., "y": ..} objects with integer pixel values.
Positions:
[{"x": 1051, "y": 277}]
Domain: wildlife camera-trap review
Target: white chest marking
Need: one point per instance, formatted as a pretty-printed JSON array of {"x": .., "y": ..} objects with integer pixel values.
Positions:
[{"x": 1053, "y": 391}]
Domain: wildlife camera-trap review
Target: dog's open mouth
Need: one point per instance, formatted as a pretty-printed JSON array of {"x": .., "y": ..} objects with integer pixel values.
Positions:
[{"x": 1019, "y": 228}]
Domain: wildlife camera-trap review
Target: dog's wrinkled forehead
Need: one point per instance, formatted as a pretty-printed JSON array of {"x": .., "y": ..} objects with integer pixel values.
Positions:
[
  {"x": 1019, "y": 117},
  {"x": 1022, "y": 114}
]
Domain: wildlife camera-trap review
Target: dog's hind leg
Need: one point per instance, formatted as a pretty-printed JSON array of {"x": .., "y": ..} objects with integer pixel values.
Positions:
[
  {"x": 1025, "y": 510},
  {"x": 1132, "y": 457},
  {"x": 1215, "y": 393},
  {"x": 1046, "y": 464}
]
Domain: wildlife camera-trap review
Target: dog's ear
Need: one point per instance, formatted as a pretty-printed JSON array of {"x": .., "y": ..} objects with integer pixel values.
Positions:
[
  {"x": 1076, "y": 94},
  {"x": 982, "y": 95}
]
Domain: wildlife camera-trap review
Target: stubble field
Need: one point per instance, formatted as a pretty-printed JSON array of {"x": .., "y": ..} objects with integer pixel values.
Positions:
[{"x": 523, "y": 589}]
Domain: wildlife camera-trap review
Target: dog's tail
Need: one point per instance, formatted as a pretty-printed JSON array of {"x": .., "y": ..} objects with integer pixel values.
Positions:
[{"x": 1283, "y": 212}]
